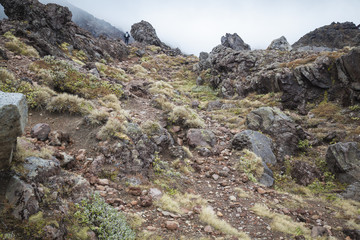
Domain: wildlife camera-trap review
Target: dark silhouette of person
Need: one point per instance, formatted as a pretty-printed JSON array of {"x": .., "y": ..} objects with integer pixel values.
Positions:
[{"x": 127, "y": 37}]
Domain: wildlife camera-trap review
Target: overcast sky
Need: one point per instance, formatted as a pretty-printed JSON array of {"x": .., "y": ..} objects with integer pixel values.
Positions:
[{"x": 197, "y": 25}]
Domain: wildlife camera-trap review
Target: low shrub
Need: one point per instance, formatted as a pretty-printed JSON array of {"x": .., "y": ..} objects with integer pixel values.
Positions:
[
  {"x": 18, "y": 47},
  {"x": 103, "y": 219},
  {"x": 69, "y": 103}
]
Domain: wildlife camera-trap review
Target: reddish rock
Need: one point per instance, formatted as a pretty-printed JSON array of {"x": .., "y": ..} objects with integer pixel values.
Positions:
[
  {"x": 104, "y": 182},
  {"x": 146, "y": 201},
  {"x": 135, "y": 191},
  {"x": 40, "y": 131},
  {"x": 172, "y": 225}
]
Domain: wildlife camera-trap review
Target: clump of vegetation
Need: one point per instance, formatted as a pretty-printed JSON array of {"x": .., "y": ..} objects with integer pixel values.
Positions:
[
  {"x": 250, "y": 164},
  {"x": 329, "y": 111},
  {"x": 25, "y": 149},
  {"x": 208, "y": 216},
  {"x": 282, "y": 223},
  {"x": 71, "y": 104},
  {"x": 161, "y": 87},
  {"x": 114, "y": 127},
  {"x": 112, "y": 72},
  {"x": 186, "y": 117},
  {"x": 98, "y": 116},
  {"x": 150, "y": 127},
  {"x": 178, "y": 202},
  {"x": 139, "y": 71},
  {"x": 18, "y": 47},
  {"x": 37, "y": 96},
  {"x": 103, "y": 219},
  {"x": 63, "y": 77}
]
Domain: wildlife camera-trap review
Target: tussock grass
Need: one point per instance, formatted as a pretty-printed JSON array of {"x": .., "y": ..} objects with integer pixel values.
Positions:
[
  {"x": 241, "y": 193},
  {"x": 178, "y": 203},
  {"x": 280, "y": 222},
  {"x": 329, "y": 111},
  {"x": 24, "y": 149},
  {"x": 112, "y": 72},
  {"x": 185, "y": 116},
  {"x": 98, "y": 116},
  {"x": 18, "y": 47},
  {"x": 350, "y": 208},
  {"x": 208, "y": 216},
  {"x": 161, "y": 87},
  {"x": 250, "y": 164},
  {"x": 69, "y": 103},
  {"x": 114, "y": 127}
]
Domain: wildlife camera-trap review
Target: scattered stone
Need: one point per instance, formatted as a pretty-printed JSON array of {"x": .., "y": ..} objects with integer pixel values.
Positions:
[
  {"x": 104, "y": 182},
  {"x": 215, "y": 177},
  {"x": 261, "y": 190},
  {"x": 135, "y": 191},
  {"x": 352, "y": 191},
  {"x": 219, "y": 214},
  {"x": 208, "y": 229},
  {"x": 318, "y": 231},
  {"x": 172, "y": 225},
  {"x": 40, "y": 131},
  {"x": 155, "y": 193},
  {"x": 146, "y": 201},
  {"x": 57, "y": 138},
  {"x": 232, "y": 198}
]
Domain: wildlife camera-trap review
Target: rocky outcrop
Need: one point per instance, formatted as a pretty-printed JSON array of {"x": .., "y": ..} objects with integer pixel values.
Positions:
[
  {"x": 343, "y": 159},
  {"x": 280, "y": 44},
  {"x": 13, "y": 118},
  {"x": 48, "y": 26},
  {"x": 144, "y": 32},
  {"x": 262, "y": 147},
  {"x": 333, "y": 36},
  {"x": 85, "y": 20},
  {"x": 278, "y": 125},
  {"x": 234, "y": 42},
  {"x": 40, "y": 131}
]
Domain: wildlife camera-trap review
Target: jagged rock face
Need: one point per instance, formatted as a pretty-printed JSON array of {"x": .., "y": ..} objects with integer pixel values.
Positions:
[
  {"x": 280, "y": 44},
  {"x": 278, "y": 125},
  {"x": 144, "y": 32},
  {"x": 343, "y": 159},
  {"x": 234, "y": 41},
  {"x": 48, "y": 26},
  {"x": 13, "y": 118},
  {"x": 335, "y": 35},
  {"x": 304, "y": 173}
]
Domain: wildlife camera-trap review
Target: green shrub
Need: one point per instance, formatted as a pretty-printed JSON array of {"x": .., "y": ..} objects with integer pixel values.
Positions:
[
  {"x": 63, "y": 77},
  {"x": 104, "y": 220}
]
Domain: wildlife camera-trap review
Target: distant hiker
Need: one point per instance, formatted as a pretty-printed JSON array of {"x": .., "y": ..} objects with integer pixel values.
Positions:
[{"x": 127, "y": 36}]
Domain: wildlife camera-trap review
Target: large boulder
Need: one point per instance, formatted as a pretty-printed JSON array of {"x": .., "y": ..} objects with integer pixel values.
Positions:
[
  {"x": 39, "y": 170},
  {"x": 280, "y": 44},
  {"x": 235, "y": 42},
  {"x": 13, "y": 118},
  {"x": 304, "y": 173},
  {"x": 343, "y": 159},
  {"x": 144, "y": 32},
  {"x": 335, "y": 35},
  {"x": 278, "y": 125},
  {"x": 262, "y": 146},
  {"x": 201, "y": 138}
]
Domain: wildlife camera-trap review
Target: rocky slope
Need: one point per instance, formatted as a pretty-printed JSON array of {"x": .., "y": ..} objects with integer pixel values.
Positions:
[
  {"x": 85, "y": 20},
  {"x": 177, "y": 147}
]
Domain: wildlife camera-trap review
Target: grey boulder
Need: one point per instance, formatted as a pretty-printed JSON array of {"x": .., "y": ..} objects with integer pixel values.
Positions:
[
  {"x": 280, "y": 44},
  {"x": 13, "y": 119},
  {"x": 343, "y": 159}
]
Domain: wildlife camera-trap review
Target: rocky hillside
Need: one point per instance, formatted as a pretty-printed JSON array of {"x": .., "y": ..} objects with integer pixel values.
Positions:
[
  {"x": 85, "y": 20},
  {"x": 235, "y": 144}
]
